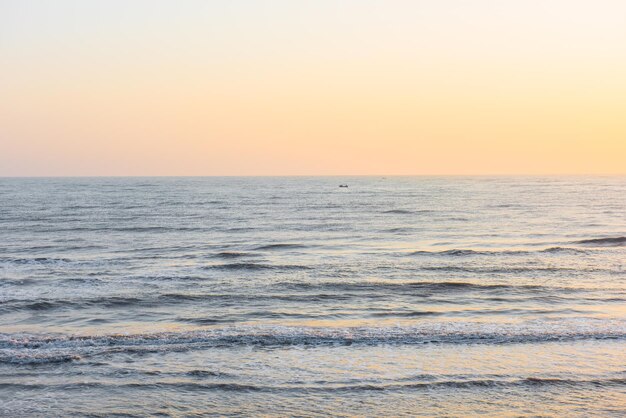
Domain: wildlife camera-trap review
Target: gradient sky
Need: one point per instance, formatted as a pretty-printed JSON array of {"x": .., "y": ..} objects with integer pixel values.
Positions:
[{"x": 119, "y": 87}]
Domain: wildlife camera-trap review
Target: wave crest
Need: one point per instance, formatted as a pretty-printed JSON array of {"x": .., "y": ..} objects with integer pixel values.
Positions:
[
  {"x": 29, "y": 349},
  {"x": 604, "y": 242}
]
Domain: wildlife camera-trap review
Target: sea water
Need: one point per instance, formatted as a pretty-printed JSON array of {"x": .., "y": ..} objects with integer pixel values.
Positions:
[{"x": 293, "y": 296}]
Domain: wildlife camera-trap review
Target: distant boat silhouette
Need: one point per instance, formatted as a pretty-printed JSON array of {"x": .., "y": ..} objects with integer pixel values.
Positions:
[{"x": 343, "y": 185}]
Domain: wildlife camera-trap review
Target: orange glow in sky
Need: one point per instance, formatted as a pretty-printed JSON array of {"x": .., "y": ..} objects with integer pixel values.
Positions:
[{"x": 312, "y": 87}]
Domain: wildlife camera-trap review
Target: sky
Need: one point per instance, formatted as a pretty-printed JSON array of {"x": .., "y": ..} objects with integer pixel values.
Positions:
[{"x": 285, "y": 87}]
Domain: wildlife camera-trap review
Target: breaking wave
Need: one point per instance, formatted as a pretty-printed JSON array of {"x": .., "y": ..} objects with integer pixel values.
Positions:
[{"x": 28, "y": 349}]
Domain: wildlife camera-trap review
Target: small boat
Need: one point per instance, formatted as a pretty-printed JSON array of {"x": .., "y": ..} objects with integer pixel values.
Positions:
[{"x": 343, "y": 185}]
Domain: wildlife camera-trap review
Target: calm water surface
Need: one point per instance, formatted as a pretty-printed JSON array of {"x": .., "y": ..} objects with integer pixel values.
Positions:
[{"x": 292, "y": 296}]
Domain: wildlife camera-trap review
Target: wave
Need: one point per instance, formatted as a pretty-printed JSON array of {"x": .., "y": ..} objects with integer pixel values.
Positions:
[
  {"x": 563, "y": 250},
  {"x": 469, "y": 252},
  {"x": 35, "y": 261},
  {"x": 138, "y": 229},
  {"x": 256, "y": 266},
  {"x": 453, "y": 252},
  {"x": 404, "y": 314},
  {"x": 200, "y": 386},
  {"x": 530, "y": 381},
  {"x": 15, "y": 305},
  {"x": 321, "y": 292},
  {"x": 159, "y": 300},
  {"x": 428, "y": 286},
  {"x": 239, "y": 229},
  {"x": 512, "y": 270},
  {"x": 271, "y": 247},
  {"x": 43, "y": 358},
  {"x": 232, "y": 254},
  {"x": 604, "y": 242},
  {"x": 17, "y": 282},
  {"x": 30, "y": 349},
  {"x": 474, "y": 312},
  {"x": 309, "y": 293},
  {"x": 406, "y": 211},
  {"x": 399, "y": 230}
]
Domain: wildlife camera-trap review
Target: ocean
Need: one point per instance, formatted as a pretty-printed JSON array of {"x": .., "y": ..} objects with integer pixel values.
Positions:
[{"x": 292, "y": 296}]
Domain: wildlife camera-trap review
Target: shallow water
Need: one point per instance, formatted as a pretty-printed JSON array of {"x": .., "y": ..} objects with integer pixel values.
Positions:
[{"x": 292, "y": 296}]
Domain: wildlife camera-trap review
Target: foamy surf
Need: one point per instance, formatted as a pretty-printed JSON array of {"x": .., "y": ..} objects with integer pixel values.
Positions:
[{"x": 25, "y": 349}]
